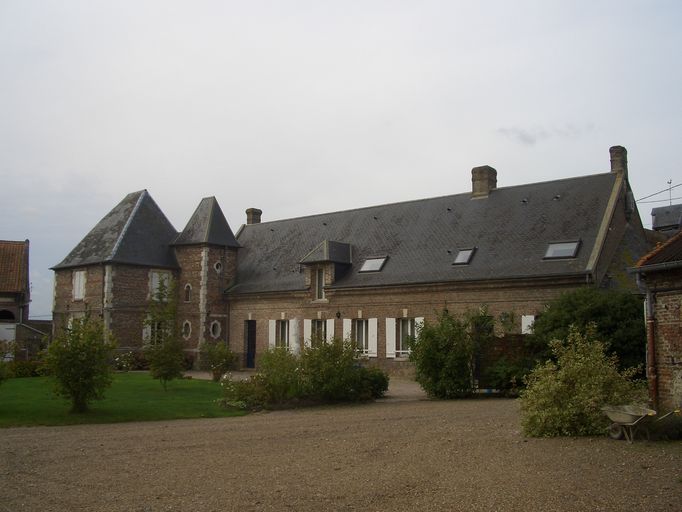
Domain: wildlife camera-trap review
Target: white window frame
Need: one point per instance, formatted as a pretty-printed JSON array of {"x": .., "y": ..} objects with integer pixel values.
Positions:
[
  {"x": 155, "y": 278},
  {"x": 373, "y": 264},
  {"x": 464, "y": 256},
  {"x": 186, "y": 325},
  {"x": 560, "y": 250},
  {"x": 527, "y": 322},
  {"x": 360, "y": 334},
  {"x": 282, "y": 334},
  {"x": 395, "y": 338},
  {"x": 219, "y": 331},
  {"x": 79, "y": 280},
  {"x": 318, "y": 329},
  {"x": 319, "y": 284}
]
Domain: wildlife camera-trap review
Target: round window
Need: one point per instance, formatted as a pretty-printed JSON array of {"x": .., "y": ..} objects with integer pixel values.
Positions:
[
  {"x": 218, "y": 267},
  {"x": 186, "y": 329},
  {"x": 215, "y": 328}
]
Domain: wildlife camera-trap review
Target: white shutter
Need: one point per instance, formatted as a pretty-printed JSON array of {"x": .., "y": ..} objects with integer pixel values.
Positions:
[
  {"x": 330, "y": 329},
  {"x": 527, "y": 322},
  {"x": 390, "y": 337},
  {"x": 272, "y": 333},
  {"x": 418, "y": 323},
  {"x": 372, "y": 337},
  {"x": 146, "y": 331},
  {"x": 307, "y": 331},
  {"x": 347, "y": 328},
  {"x": 294, "y": 340}
]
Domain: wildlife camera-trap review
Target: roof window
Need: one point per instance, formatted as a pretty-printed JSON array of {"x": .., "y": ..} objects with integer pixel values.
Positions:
[
  {"x": 464, "y": 256},
  {"x": 373, "y": 264},
  {"x": 557, "y": 250}
]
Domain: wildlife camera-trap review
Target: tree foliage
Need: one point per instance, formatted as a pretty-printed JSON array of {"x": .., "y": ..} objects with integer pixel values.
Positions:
[
  {"x": 79, "y": 359},
  {"x": 163, "y": 348},
  {"x": 445, "y": 353},
  {"x": 565, "y": 396},
  {"x": 618, "y": 317}
]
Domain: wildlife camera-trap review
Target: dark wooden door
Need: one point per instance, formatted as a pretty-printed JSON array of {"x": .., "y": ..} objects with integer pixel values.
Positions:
[{"x": 250, "y": 343}]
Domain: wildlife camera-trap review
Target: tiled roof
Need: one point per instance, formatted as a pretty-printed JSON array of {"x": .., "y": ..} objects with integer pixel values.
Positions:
[
  {"x": 510, "y": 230},
  {"x": 135, "y": 232},
  {"x": 667, "y": 252},
  {"x": 13, "y": 266},
  {"x": 207, "y": 226}
]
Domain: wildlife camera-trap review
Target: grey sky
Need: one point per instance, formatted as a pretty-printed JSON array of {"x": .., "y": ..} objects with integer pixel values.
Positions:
[{"x": 303, "y": 107}]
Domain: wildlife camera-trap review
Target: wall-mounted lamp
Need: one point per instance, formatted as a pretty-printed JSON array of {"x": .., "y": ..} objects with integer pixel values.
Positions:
[{"x": 338, "y": 314}]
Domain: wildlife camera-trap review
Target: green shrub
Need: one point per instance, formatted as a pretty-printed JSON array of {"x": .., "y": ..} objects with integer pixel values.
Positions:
[
  {"x": 374, "y": 380},
  {"x": 79, "y": 360},
  {"x": 565, "y": 397},
  {"x": 444, "y": 353},
  {"x": 618, "y": 316},
  {"x": 331, "y": 372},
  {"x": 124, "y": 361},
  {"x": 216, "y": 358},
  {"x": 20, "y": 369},
  {"x": 281, "y": 375},
  {"x": 326, "y": 372}
]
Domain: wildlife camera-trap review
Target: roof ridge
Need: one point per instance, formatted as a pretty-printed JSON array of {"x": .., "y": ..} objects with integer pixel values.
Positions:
[
  {"x": 426, "y": 199},
  {"x": 210, "y": 217},
  {"x": 659, "y": 247},
  {"x": 129, "y": 221}
]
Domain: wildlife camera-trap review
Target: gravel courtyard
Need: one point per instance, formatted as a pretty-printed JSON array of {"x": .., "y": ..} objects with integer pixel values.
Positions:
[{"x": 398, "y": 454}]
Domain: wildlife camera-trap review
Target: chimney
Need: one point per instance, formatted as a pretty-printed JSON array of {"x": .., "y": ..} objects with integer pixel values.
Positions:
[
  {"x": 619, "y": 160},
  {"x": 483, "y": 180},
  {"x": 253, "y": 215}
]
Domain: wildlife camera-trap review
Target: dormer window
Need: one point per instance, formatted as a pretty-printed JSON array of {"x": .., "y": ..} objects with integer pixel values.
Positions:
[
  {"x": 464, "y": 256},
  {"x": 373, "y": 264},
  {"x": 559, "y": 250}
]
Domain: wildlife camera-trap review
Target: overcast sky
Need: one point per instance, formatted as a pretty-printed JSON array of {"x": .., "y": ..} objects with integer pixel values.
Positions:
[{"x": 304, "y": 107}]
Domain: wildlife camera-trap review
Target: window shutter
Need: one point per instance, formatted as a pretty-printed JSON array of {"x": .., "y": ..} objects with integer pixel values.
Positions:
[
  {"x": 527, "y": 324},
  {"x": 418, "y": 323},
  {"x": 146, "y": 331},
  {"x": 347, "y": 328},
  {"x": 272, "y": 330},
  {"x": 372, "y": 337},
  {"x": 330, "y": 329},
  {"x": 294, "y": 339},
  {"x": 307, "y": 331},
  {"x": 390, "y": 337}
]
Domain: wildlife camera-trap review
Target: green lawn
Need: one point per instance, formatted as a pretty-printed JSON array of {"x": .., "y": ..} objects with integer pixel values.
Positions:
[{"x": 131, "y": 397}]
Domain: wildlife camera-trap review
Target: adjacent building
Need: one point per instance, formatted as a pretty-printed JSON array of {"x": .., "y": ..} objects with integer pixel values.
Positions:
[{"x": 370, "y": 274}]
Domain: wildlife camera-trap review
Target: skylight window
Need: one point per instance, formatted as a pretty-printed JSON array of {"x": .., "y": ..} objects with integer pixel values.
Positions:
[
  {"x": 373, "y": 264},
  {"x": 562, "y": 250},
  {"x": 464, "y": 256}
]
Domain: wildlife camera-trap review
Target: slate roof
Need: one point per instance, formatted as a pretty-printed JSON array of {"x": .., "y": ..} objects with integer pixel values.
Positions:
[
  {"x": 13, "y": 266},
  {"x": 207, "y": 226},
  {"x": 510, "y": 230},
  {"x": 135, "y": 232},
  {"x": 667, "y": 217},
  {"x": 329, "y": 251},
  {"x": 665, "y": 253}
]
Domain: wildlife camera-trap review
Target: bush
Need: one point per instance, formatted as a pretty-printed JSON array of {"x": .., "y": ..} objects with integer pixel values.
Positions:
[
  {"x": 445, "y": 352},
  {"x": 124, "y": 361},
  {"x": 20, "y": 369},
  {"x": 326, "y": 372},
  {"x": 619, "y": 319},
  {"x": 79, "y": 360},
  {"x": 565, "y": 397},
  {"x": 216, "y": 358}
]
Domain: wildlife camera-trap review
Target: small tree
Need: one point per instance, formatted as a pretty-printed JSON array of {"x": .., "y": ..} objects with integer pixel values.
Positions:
[
  {"x": 565, "y": 397},
  {"x": 216, "y": 358},
  {"x": 163, "y": 348},
  {"x": 79, "y": 358},
  {"x": 445, "y": 352},
  {"x": 618, "y": 316}
]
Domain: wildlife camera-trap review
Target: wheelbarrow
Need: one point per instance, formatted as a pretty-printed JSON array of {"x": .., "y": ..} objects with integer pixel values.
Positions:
[{"x": 629, "y": 419}]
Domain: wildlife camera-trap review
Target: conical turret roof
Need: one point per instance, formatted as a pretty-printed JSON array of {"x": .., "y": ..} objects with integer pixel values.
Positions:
[{"x": 207, "y": 226}]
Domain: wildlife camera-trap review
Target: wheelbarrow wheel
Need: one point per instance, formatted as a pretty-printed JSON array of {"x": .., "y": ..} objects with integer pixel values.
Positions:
[{"x": 616, "y": 431}]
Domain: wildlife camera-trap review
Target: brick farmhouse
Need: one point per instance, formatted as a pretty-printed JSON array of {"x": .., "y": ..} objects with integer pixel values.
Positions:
[{"x": 370, "y": 274}]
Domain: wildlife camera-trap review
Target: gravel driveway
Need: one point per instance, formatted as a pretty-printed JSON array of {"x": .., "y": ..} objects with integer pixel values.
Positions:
[{"x": 397, "y": 454}]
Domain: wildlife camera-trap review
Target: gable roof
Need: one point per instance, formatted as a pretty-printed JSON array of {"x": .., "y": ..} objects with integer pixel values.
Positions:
[
  {"x": 665, "y": 254},
  {"x": 14, "y": 266},
  {"x": 207, "y": 226},
  {"x": 510, "y": 230},
  {"x": 135, "y": 232}
]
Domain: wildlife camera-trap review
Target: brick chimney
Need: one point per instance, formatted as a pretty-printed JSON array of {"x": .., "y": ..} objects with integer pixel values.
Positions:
[
  {"x": 619, "y": 160},
  {"x": 253, "y": 215},
  {"x": 483, "y": 180}
]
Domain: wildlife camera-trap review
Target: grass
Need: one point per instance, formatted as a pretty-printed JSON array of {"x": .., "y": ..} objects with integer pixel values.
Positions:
[{"x": 131, "y": 397}]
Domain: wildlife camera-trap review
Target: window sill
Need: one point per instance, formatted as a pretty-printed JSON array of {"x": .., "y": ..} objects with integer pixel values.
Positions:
[{"x": 320, "y": 301}]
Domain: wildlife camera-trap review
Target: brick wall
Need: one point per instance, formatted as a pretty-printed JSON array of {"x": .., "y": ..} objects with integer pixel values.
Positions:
[{"x": 527, "y": 298}]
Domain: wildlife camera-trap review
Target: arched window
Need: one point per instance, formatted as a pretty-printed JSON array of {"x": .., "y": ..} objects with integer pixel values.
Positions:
[
  {"x": 6, "y": 316},
  {"x": 188, "y": 292}
]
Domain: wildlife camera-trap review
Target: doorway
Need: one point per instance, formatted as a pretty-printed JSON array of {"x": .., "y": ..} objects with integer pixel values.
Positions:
[{"x": 250, "y": 337}]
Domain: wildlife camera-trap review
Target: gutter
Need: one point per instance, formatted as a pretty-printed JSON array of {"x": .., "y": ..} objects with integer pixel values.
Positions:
[{"x": 656, "y": 267}]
